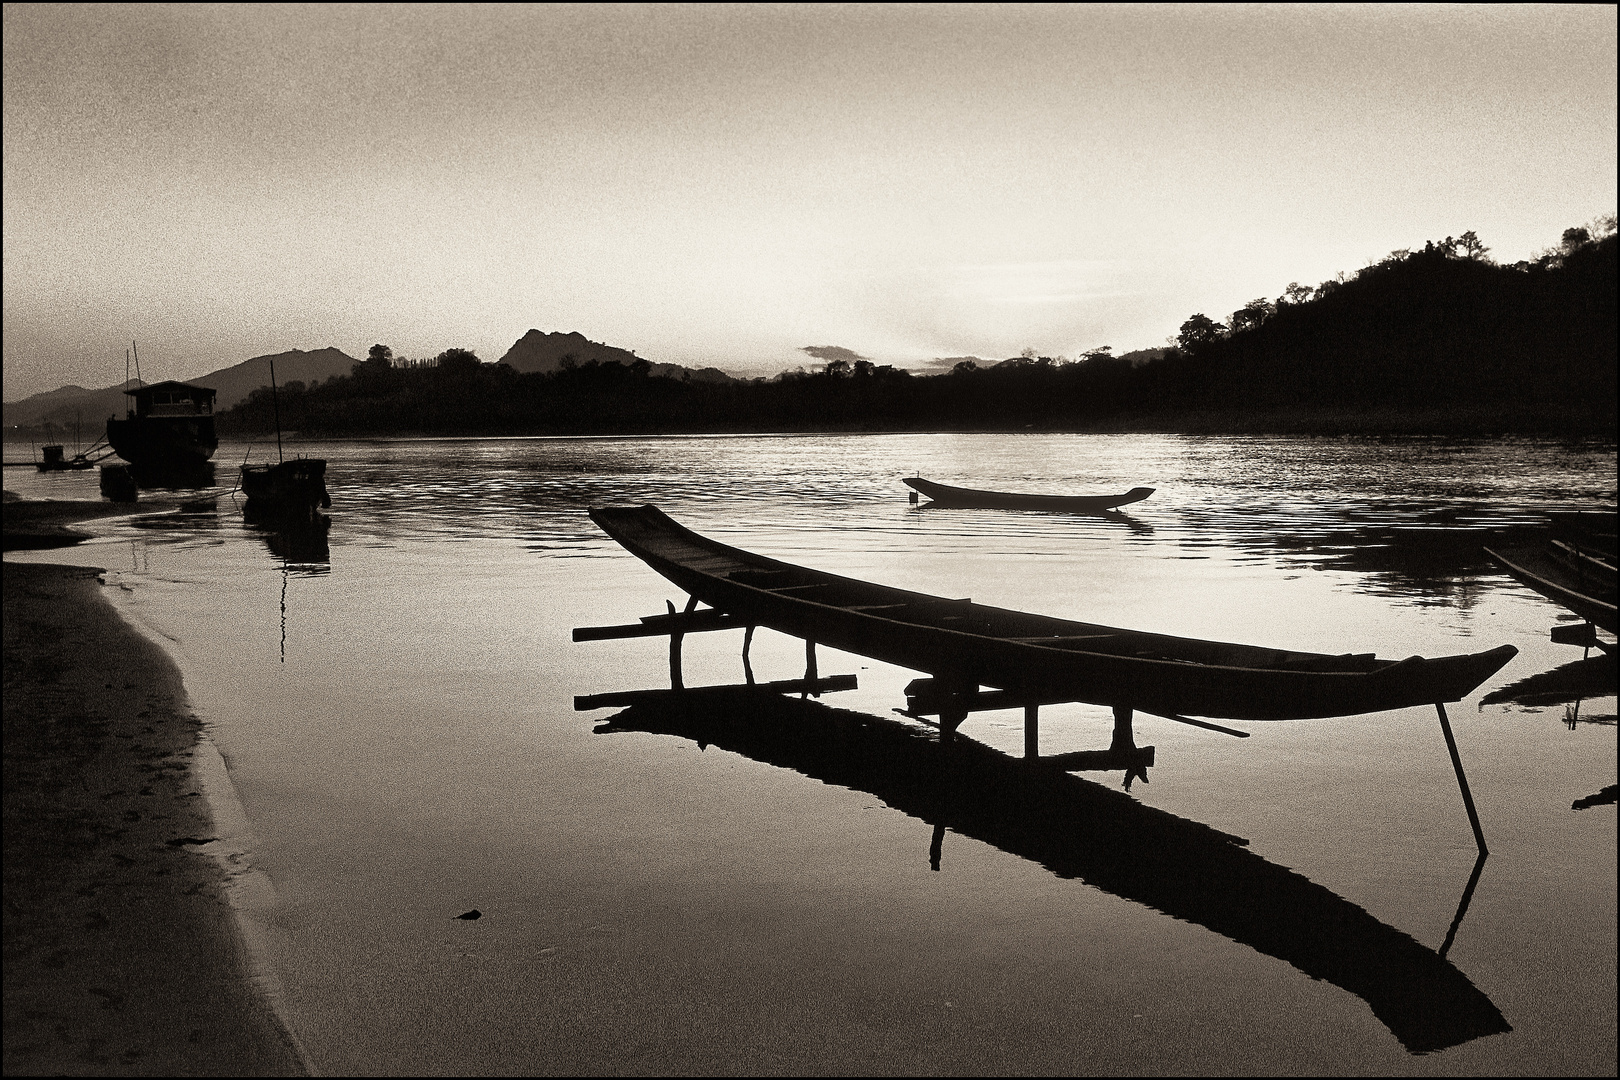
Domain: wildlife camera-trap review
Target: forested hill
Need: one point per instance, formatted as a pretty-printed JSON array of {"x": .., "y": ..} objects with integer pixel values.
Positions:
[
  {"x": 1425, "y": 328},
  {"x": 1439, "y": 340}
]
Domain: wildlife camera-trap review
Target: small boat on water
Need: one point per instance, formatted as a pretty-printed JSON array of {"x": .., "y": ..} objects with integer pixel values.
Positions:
[
  {"x": 970, "y": 498},
  {"x": 1030, "y": 659},
  {"x": 286, "y": 488},
  {"x": 300, "y": 482},
  {"x": 1575, "y": 568},
  {"x": 54, "y": 459}
]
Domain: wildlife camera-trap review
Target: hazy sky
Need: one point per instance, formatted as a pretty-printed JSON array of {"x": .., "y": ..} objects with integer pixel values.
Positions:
[{"x": 723, "y": 185}]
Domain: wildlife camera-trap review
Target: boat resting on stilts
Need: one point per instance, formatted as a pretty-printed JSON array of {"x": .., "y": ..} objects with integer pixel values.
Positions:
[
  {"x": 974, "y": 499},
  {"x": 1027, "y": 660}
]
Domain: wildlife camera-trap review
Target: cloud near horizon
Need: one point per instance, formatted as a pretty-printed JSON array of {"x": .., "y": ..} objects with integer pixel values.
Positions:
[{"x": 829, "y": 353}]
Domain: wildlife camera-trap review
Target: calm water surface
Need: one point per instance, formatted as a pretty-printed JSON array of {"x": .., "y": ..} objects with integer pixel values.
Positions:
[{"x": 394, "y": 700}]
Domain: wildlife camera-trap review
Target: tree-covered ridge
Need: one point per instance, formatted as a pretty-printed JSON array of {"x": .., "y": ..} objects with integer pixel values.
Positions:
[{"x": 1439, "y": 339}]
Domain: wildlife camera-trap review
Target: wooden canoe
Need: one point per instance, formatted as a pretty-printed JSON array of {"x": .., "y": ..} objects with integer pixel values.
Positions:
[
  {"x": 969, "y": 498},
  {"x": 1571, "y": 586},
  {"x": 1036, "y": 659}
]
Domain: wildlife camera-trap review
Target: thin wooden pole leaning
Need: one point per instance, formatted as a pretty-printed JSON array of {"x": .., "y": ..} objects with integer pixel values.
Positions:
[
  {"x": 1462, "y": 779},
  {"x": 675, "y": 680},
  {"x": 1032, "y": 731}
]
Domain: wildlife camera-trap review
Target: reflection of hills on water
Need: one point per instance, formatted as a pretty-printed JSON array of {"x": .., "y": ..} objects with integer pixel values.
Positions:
[
  {"x": 1593, "y": 677},
  {"x": 1434, "y": 553},
  {"x": 1078, "y": 829}
]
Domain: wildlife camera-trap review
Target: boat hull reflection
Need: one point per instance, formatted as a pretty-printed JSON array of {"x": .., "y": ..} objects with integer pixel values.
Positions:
[
  {"x": 299, "y": 539},
  {"x": 1105, "y": 838}
]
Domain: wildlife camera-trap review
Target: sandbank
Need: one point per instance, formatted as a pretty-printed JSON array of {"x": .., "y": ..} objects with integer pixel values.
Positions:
[
  {"x": 35, "y": 524},
  {"x": 121, "y": 953}
]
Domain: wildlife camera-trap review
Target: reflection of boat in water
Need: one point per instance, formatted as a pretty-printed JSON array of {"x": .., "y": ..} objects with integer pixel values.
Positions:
[
  {"x": 1031, "y": 659},
  {"x": 1591, "y": 677},
  {"x": 1078, "y": 829},
  {"x": 169, "y": 426},
  {"x": 300, "y": 542},
  {"x": 1574, "y": 568},
  {"x": 970, "y": 498}
]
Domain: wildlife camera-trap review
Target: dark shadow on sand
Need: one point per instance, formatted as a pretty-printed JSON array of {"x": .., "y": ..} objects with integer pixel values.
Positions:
[{"x": 1078, "y": 829}]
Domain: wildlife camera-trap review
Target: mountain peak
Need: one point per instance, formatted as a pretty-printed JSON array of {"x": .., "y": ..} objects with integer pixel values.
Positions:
[{"x": 544, "y": 353}]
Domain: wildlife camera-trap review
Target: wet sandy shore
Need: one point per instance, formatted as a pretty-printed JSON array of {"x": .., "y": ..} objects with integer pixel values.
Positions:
[
  {"x": 35, "y": 524},
  {"x": 121, "y": 952}
]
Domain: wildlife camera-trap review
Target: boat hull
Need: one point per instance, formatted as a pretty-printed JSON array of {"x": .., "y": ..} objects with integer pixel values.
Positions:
[
  {"x": 173, "y": 442},
  {"x": 300, "y": 483},
  {"x": 970, "y": 498},
  {"x": 1038, "y": 658},
  {"x": 1536, "y": 569}
]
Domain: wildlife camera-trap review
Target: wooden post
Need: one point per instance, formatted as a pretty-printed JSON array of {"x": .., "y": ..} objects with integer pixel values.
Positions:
[
  {"x": 675, "y": 681},
  {"x": 809, "y": 665},
  {"x": 1462, "y": 780},
  {"x": 748, "y": 641},
  {"x": 1124, "y": 737},
  {"x": 1032, "y": 732}
]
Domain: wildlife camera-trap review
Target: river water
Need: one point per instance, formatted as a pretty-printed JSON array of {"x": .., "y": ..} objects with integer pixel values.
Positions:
[{"x": 670, "y": 894}]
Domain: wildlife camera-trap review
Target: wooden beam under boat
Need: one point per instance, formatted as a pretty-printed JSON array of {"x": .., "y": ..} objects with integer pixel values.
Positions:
[
  {"x": 1035, "y": 657},
  {"x": 970, "y": 498}
]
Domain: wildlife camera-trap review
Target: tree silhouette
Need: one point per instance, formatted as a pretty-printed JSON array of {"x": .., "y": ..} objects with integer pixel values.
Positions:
[
  {"x": 1252, "y": 314},
  {"x": 1471, "y": 246},
  {"x": 1199, "y": 331}
]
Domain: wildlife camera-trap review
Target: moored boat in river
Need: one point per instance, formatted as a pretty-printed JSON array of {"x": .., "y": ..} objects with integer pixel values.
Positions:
[
  {"x": 1033, "y": 659},
  {"x": 169, "y": 426},
  {"x": 972, "y": 498},
  {"x": 299, "y": 483}
]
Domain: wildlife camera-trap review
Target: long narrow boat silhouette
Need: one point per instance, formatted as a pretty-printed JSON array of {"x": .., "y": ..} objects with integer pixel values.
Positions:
[
  {"x": 1081, "y": 830},
  {"x": 973, "y": 498},
  {"x": 1027, "y": 660}
]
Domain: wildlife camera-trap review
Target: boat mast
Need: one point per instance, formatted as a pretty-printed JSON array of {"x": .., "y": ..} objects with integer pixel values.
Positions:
[{"x": 275, "y": 404}]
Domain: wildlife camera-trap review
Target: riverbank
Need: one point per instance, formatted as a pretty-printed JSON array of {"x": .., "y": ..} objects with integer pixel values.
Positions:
[
  {"x": 121, "y": 952},
  {"x": 41, "y": 524}
]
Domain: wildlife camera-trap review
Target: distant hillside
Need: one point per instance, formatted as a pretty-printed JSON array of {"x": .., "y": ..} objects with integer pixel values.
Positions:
[
  {"x": 545, "y": 353},
  {"x": 236, "y": 383},
  {"x": 1425, "y": 329},
  {"x": 70, "y": 405}
]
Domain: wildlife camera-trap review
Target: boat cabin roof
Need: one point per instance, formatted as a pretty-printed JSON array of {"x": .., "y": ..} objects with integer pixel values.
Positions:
[{"x": 195, "y": 393}]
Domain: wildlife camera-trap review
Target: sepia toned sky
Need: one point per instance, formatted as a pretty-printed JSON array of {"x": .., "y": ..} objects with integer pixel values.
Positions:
[{"x": 727, "y": 184}]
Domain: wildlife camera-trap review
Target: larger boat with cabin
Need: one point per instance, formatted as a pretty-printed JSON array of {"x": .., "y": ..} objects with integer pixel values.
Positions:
[{"x": 168, "y": 425}]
